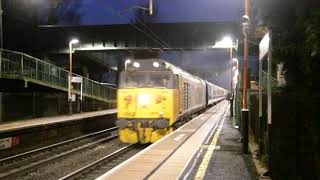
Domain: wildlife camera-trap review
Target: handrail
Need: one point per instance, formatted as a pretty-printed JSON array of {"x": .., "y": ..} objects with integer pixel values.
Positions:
[
  {"x": 19, "y": 63},
  {"x": 271, "y": 76}
]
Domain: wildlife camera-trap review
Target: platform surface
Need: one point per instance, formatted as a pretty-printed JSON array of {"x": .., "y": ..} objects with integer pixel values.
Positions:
[
  {"x": 37, "y": 122},
  {"x": 205, "y": 148},
  {"x": 221, "y": 157}
]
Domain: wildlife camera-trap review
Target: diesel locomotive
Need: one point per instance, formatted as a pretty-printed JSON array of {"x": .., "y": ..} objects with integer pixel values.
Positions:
[{"x": 153, "y": 95}]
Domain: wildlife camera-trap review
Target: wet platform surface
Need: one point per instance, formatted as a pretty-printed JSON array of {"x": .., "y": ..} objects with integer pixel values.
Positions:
[
  {"x": 207, "y": 147},
  {"x": 227, "y": 162}
]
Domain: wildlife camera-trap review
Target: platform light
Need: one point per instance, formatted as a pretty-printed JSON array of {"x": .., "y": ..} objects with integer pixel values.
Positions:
[
  {"x": 128, "y": 61},
  {"x": 115, "y": 68},
  {"x": 156, "y": 64},
  {"x": 226, "y": 42},
  {"x": 136, "y": 64},
  {"x": 74, "y": 41}
]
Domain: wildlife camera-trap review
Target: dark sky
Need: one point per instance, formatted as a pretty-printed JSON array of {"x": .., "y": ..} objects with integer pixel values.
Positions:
[{"x": 106, "y": 11}]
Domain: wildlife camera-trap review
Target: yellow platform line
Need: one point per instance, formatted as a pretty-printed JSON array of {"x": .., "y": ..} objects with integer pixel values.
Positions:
[{"x": 206, "y": 159}]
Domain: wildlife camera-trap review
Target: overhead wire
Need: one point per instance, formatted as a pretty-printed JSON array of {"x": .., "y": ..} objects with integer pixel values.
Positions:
[
  {"x": 143, "y": 24},
  {"x": 156, "y": 39},
  {"x": 136, "y": 27},
  {"x": 155, "y": 35}
]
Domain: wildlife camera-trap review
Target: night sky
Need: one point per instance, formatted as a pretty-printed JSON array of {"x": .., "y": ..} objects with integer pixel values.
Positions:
[{"x": 169, "y": 11}]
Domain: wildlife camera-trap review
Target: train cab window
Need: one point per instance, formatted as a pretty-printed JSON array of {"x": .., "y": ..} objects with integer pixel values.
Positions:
[{"x": 146, "y": 79}]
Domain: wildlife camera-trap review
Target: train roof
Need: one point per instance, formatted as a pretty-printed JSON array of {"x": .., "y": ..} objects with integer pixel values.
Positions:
[
  {"x": 168, "y": 66},
  {"x": 216, "y": 86}
]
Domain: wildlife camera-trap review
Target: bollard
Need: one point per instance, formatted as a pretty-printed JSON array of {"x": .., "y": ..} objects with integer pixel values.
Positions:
[{"x": 245, "y": 135}]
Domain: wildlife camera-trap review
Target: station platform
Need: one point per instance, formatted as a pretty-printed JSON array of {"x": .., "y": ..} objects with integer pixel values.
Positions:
[
  {"x": 207, "y": 147},
  {"x": 47, "y": 121}
]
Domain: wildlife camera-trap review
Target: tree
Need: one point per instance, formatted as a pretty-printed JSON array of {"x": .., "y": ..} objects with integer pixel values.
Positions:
[
  {"x": 296, "y": 39},
  {"x": 39, "y": 12},
  {"x": 296, "y": 43},
  {"x": 65, "y": 12}
]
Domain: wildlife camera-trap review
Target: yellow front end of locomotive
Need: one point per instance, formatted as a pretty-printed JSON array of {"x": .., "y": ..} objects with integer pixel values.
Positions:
[{"x": 145, "y": 115}]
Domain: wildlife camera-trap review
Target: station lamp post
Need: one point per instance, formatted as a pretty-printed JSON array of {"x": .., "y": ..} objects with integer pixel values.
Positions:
[
  {"x": 245, "y": 111},
  {"x": 73, "y": 41},
  {"x": 227, "y": 43}
]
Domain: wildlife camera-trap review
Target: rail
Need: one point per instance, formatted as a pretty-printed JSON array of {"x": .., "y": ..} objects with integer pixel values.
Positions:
[
  {"x": 17, "y": 165},
  {"x": 17, "y": 65}
]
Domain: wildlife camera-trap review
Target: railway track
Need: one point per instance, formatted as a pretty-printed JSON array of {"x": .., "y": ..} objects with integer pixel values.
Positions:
[
  {"x": 20, "y": 164},
  {"x": 104, "y": 164}
]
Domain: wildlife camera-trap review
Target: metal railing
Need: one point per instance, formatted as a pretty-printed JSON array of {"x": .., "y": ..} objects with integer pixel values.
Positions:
[
  {"x": 274, "y": 82},
  {"x": 17, "y": 65}
]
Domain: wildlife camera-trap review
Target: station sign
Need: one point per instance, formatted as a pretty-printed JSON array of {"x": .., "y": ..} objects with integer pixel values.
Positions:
[
  {"x": 79, "y": 80},
  {"x": 76, "y": 79},
  {"x": 8, "y": 142}
]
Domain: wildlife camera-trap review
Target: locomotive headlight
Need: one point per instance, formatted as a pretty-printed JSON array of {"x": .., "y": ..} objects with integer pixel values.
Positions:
[
  {"x": 143, "y": 99},
  {"x": 156, "y": 64},
  {"x": 136, "y": 64}
]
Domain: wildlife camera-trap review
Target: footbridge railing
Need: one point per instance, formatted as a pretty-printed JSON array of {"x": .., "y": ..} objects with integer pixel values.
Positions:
[{"x": 17, "y": 65}]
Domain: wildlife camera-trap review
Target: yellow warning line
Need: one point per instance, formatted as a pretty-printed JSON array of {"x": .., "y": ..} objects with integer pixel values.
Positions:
[{"x": 206, "y": 159}]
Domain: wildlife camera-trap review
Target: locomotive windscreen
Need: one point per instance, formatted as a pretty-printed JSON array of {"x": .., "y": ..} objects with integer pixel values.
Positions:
[
  {"x": 146, "y": 79},
  {"x": 145, "y": 65}
]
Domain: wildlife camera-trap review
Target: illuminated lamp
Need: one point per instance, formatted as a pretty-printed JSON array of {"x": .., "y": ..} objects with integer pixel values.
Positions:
[
  {"x": 136, "y": 64},
  {"x": 156, "y": 64}
]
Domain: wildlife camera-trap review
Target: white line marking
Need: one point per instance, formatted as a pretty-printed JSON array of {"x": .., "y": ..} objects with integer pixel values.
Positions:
[
  {"x": 193, "y": 165},
  {"x": 179, "y": 137},
  {"x": 187, "y": 130}
]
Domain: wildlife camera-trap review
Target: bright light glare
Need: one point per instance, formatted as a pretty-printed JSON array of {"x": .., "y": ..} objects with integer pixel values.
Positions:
[
  {"x": 235, "y": 60},
  {"x": 143, "y": 99},
  {"x": 74, "y": 41},
  {"x": 233, "y": 68},
  {"x": 136, "y": 64},
  {"x": 226, "y": 42},
  {"x": 114, "y": 68},
  {"x": 128, "y": 61},
  {"x": 156, "y": 64}
]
